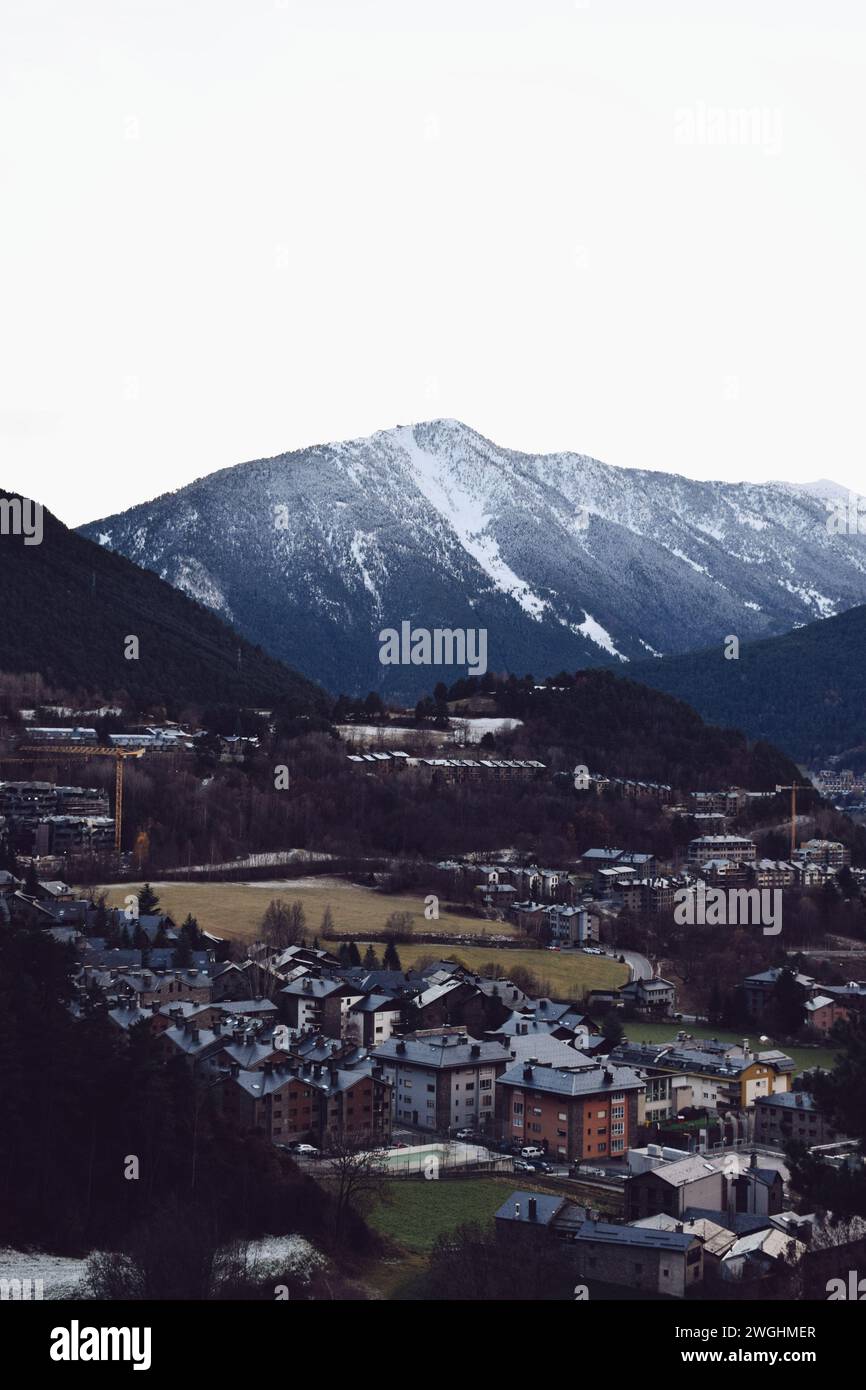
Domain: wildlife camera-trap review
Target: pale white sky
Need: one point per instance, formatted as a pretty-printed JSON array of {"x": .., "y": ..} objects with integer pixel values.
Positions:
[{"x": 230, "y": 228}]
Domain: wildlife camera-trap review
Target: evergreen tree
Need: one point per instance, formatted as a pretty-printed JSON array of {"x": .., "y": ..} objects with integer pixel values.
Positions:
[
  {"x": 354, "y": 954},
  {"x": 787, "y": 1005},
  {"x": 391, "y": 960},
  {"x": 371, "y": 960},
  {"x": 183, "y": 952},
  {"x": 192, "y": 931},
  {"x": 148, "y": 902},
  {"x": 112, "y": 930}
]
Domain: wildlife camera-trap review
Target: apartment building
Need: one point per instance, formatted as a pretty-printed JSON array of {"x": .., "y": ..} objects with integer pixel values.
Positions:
[
  {"x": 708, "y": 1075},
  {"x": 62, "y": 835},
  {"x": 721, "y": 803},
  {"x": 829, "y": 853},
  {"x": 792, "y": 1115},
  {"x": 574, "y": 1113},
  {"x": 443, "y": 1080},
  {"x": 313, "y": 1002},
  {"x": 311, "y": 1102},
  {"x": 733, "y": 848}
]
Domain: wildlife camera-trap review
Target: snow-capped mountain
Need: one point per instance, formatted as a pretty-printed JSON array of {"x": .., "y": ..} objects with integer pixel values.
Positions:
[{"x": 565, "y": 561}]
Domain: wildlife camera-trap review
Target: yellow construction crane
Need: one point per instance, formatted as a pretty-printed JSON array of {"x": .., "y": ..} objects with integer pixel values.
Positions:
[{"x": 29, "y": 753}]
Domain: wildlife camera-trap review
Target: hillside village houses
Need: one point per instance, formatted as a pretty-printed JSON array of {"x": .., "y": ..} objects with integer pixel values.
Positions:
[
  {"x": 293, "y": 1045},
  {"x": 823, "y": 1005}
]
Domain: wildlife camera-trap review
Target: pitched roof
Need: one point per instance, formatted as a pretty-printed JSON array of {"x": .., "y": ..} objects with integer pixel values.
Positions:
[
  {"x": 516, "y": 1208},
  {"x": 609, "y": 1234},
  {"x": 441, "y": 1051},
  {"x": 584, "y": 1080}
]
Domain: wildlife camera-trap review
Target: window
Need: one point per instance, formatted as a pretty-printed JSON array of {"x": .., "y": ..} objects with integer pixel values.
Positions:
[
  {"x": 618, "y": 1112},
  {"x": 486, "y": 1084},
  {"x": 561, "y": 1115},
  {"x": 601, "y": 1114},
  {"x": 429, "y": 1087},
  {"x": 617, "y": 1129}
]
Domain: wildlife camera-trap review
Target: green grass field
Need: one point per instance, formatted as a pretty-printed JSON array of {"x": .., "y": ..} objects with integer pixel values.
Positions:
[
  {"x": 807, "y": 1058},
  {"x": 416, "y": 1212},
  {"x": 567, "y": 973},
  {"x": 236, "y": 909}
]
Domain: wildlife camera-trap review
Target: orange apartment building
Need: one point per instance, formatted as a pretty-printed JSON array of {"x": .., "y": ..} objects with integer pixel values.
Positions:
[{"x": 573, "y": 1113}]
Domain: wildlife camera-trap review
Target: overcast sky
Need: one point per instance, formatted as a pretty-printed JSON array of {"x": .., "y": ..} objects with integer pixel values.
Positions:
[{"x": 229, "y": 228}]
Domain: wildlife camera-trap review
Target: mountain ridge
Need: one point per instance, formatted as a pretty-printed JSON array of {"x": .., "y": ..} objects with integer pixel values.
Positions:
[
  {"x": 566, "y": 561},
  {"x": 805, "y": 690},
  {"x": 67, "y": 607}
]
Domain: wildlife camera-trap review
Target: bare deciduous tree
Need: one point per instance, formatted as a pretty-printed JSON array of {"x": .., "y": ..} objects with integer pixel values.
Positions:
[{"x": 358, "y": 1174}]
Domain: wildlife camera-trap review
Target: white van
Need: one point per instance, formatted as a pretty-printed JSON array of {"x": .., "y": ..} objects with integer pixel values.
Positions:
[{"x": 531, "y": 1151}]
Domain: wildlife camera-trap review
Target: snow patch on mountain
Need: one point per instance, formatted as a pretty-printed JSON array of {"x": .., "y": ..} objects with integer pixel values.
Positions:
[
  {"x": 681, "y": 555},
  {"x": 190, "y": 576},
  {"x": 597, "y": 634},
  {"x": 824, "y": 607},
  {"x": 358, "y": 550},
  {"x": 465, "y": 511}
]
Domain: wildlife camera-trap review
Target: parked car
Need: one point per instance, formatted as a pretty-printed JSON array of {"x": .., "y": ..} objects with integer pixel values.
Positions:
[
  {"x": 304, "y": 1150},
  {"x": 521, "y": 1166},
  {"x": 540, "y": 1166},
  {"x": 465, "y": 1134},
  {"x": 531, "y": 1151}
]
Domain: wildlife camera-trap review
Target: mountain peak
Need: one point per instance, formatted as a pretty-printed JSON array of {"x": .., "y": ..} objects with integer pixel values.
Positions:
[{"x": 562, "y": 560}]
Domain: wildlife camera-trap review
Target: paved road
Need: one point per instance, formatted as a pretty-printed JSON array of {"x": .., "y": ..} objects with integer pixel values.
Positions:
[{"x": 639, "y": 967}]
